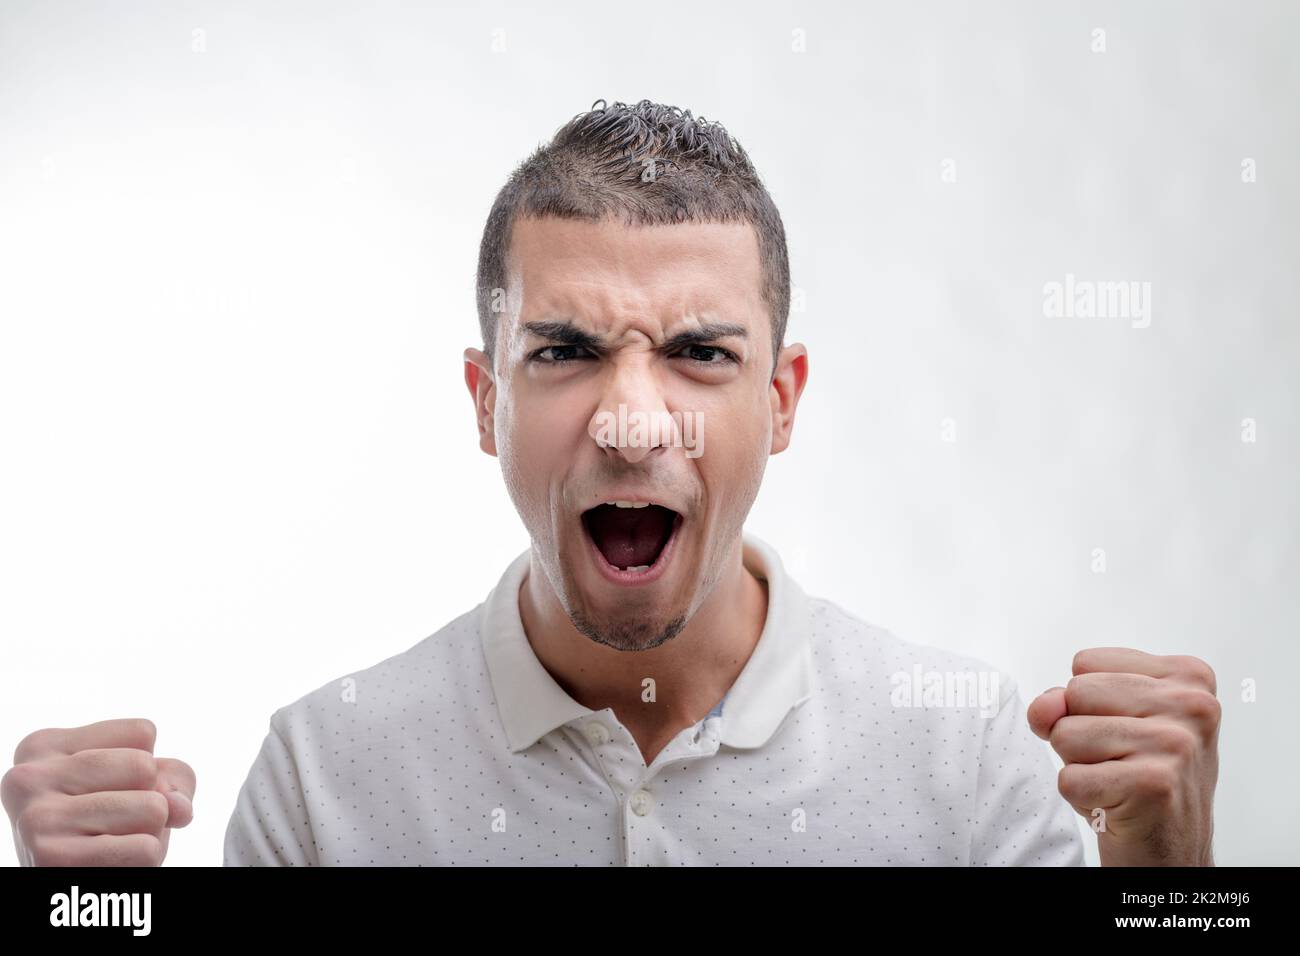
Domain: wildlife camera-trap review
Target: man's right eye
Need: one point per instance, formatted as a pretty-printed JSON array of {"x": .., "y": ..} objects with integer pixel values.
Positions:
[{"x": 559, "y": 354}]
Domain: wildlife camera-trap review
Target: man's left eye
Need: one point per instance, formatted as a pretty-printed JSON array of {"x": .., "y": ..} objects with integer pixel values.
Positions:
[{"x": 708, "y": 354}]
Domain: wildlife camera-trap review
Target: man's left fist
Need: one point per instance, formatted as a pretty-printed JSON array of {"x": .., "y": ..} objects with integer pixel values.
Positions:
[{"x": 1139, "y": 735}]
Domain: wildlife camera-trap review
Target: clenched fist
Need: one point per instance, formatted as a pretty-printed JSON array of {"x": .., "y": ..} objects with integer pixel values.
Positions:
[
  {"x": 95, "y": 796},
  {"x": 1139, "y": 736}
]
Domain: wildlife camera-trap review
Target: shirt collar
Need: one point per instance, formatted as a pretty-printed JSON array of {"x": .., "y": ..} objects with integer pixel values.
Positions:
[{"x": 776, "y": 678}]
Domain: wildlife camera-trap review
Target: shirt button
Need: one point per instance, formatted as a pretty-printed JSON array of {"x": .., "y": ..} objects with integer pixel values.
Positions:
[
  {"x": 641, "y": 803},
  {"x": 597, "y": 733}
]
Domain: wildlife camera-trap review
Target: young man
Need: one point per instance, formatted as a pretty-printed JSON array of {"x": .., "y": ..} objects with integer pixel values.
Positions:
[{"x": 646, "y": 684}]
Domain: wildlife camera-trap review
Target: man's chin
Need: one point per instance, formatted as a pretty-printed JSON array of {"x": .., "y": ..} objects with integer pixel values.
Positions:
[
  {"x": 625, "y": 618},
  {"x": 627, "y": 632}
]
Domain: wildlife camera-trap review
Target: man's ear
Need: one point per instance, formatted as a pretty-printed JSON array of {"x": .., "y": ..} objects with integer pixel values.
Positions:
[
  {"x": 787, "y": 385},
  {"x": 483, "y": 389}
]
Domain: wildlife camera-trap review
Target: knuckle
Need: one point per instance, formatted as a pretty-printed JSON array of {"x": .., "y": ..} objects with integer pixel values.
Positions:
[
  {"x": 1180, "y": 742},
  {"x": 156, "y": 850},
  {"x": 142, "y": 849},
  {"x": 142, "y": 765},
  {"x": 1056, "y": 735},
  {"x": 1156, "y": 785},
  {"x": 1202, "y": 706},
  {"x": 1074, "y": 689},
  {"x": 145, "y": 728},
  {"x": 156, "y": 809},
  {"x": 1212, "y": 710},
  {"x": 1200, "y": 671},
  {"x": 1061, "y": 733},
  {"x": 30, "y": 745},
  {"x": 34, "y": 821},
  {"x": 20, "y": 784},
  {"x": 1067, "y": 782}
]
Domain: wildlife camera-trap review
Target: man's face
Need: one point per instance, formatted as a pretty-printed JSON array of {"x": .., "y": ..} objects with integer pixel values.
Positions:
[{"x": 662, "y": 326}]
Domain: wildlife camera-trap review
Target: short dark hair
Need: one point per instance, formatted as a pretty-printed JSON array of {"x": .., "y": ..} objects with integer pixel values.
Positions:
[{"x": 648, "y": 164}]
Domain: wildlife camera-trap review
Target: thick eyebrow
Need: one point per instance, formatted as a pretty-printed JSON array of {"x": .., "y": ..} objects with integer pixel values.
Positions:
[
  {"x": 706, "y": 333},
  {"x": 569, "y": 334},
  {"x": 565, "y": 332}
]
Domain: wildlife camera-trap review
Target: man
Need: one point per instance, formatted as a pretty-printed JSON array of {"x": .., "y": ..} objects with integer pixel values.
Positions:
[{"x": 646, "y": 684}]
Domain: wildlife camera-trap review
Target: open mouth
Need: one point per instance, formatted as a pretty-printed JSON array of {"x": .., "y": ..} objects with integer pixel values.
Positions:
[{"x": 633, "y": 539}]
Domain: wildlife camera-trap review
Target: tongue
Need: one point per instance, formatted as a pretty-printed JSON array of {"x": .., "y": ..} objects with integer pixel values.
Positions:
[{"x": 629, "y": 537}]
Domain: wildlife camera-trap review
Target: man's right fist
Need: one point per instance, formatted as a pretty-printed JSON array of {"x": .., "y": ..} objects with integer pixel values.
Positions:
[{"x": 95, "y": 796}]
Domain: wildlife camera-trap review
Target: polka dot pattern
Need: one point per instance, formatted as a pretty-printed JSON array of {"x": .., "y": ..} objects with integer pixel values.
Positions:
[{"x": 408, "y": 763}]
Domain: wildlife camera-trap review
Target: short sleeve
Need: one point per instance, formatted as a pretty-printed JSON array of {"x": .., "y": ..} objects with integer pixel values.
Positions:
[
  {"x": 1021, "y": 819},
  {"x": 269, "y": 826}
]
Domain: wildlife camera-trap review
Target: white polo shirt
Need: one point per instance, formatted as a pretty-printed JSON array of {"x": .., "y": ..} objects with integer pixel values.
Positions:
[{"x": 463, "y": 750}]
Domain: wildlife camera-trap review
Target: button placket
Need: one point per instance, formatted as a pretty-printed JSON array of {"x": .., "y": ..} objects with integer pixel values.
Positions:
[
  {"x": 614, "y": 751},
  {"x": 596, "y": 733},
  {"x": 618, "y": 757},
  {"x": 641, "y": 803}
]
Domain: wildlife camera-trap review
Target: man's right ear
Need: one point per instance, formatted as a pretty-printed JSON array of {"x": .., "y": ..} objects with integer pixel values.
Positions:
[{"x": 483, "y": 389}]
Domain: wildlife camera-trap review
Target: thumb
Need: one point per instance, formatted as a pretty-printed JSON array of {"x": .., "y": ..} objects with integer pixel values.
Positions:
[
  {"x": 1045, "y": 710},
  {"x": 176, "y": 782}
]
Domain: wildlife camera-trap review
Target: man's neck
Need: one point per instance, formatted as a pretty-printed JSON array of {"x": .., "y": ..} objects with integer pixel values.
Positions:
[{"x": 691, "y": 672}]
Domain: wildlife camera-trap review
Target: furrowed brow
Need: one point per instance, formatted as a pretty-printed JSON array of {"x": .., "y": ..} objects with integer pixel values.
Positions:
[
  {"x": 566, "y": 333},
  {"x": 702, "y": 335}
]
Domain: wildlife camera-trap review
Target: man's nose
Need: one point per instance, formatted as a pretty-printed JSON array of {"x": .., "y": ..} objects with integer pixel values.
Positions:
[{"x": 631, "y": 417}]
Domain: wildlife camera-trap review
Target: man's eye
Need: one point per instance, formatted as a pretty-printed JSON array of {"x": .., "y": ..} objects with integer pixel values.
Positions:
[
  {"x": 708, "y": 354},
  {"x": 560, "y": 354}
]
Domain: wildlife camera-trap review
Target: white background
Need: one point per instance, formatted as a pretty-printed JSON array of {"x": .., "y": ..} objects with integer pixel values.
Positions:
[{"x": 239, "y": 459}]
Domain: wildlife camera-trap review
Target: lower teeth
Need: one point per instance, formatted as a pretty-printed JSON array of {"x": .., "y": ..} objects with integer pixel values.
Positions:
[{"x": 639, "y": 567}]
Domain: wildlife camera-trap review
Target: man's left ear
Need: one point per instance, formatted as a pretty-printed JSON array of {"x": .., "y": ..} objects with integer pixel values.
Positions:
[{"x": 787, "y": 385}]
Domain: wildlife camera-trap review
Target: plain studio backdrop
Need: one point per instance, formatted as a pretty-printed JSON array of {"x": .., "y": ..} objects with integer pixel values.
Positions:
[{"x": 237, "y": 255}]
